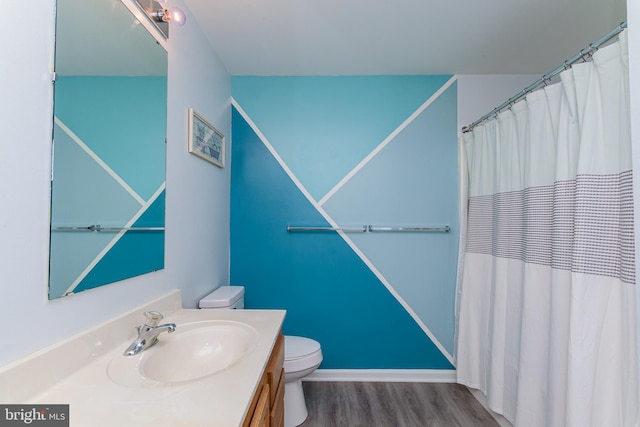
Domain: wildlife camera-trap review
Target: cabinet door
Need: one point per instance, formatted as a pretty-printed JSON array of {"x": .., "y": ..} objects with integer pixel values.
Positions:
[
  {"x": 272, "y": 386},
  {"x": 277, "y": 406},
  {"x": 275, "y": 368},
  {"x": 262, "y": 413}
]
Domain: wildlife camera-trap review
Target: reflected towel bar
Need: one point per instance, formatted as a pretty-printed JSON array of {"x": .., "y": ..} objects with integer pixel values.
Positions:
[
  {"x": 99, "y": 228},
  {"x": 292, "y": 228}
]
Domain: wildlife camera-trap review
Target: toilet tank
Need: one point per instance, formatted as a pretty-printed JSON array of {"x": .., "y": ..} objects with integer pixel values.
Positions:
[{"x": 225, "y": 297}]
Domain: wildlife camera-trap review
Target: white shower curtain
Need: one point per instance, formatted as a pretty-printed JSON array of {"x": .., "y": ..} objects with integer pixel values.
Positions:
[{"x": 547, "y": 318}]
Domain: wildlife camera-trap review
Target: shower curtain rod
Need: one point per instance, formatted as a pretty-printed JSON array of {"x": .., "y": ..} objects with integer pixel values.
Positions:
[{"x": 583, "y": 54}]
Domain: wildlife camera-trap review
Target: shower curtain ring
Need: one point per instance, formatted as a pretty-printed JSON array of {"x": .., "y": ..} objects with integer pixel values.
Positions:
[{"x": 592, "y": 49}]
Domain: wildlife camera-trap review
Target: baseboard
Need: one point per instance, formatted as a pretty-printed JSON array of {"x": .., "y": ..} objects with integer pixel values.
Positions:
[{"x": 385, "y": 375}]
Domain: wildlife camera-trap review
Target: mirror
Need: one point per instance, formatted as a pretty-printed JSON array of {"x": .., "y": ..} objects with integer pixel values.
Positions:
[
  {"x": 155, "y": 11},
  {"x": 108, "y": 166}
]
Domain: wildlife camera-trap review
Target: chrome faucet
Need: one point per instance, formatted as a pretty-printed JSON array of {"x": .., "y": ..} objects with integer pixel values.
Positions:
[{"x": 148, "y": 333}]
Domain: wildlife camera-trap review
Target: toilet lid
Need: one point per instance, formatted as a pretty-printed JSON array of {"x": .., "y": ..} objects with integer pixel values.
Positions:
[{"x": 298, "y": 347}]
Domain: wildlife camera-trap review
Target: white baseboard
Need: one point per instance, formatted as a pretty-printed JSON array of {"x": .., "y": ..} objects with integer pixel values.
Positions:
[{"x": 384, "y": 375}]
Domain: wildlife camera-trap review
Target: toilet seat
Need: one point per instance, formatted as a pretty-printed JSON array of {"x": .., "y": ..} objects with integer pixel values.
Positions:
[{"x": 301, "y": 353}]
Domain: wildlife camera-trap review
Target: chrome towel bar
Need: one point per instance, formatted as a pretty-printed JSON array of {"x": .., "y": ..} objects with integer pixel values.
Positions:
[
  {"x": 372, "y": 229},
  {"x": 292, "y": 228},
  {"x": 444, "y": 229}
]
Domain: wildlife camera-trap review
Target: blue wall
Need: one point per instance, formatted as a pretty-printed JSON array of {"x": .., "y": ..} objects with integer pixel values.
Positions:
[
  {"x": 373, "y": 300},
  {"x": 85, "y": 192}
]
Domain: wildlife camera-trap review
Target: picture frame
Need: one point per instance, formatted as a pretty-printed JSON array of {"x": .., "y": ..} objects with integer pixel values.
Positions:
[{"x": 205, "y": 141}]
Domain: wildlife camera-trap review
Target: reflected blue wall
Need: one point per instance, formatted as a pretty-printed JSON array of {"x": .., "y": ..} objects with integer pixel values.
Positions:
[{"x": 109, "y": 169}]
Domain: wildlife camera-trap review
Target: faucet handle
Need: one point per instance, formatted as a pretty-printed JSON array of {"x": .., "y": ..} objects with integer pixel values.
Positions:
[{"x": 153, "y": 318}]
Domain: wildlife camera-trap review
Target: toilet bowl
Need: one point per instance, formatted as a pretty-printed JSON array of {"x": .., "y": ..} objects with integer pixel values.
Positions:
[{"x": 302, "y": 355}]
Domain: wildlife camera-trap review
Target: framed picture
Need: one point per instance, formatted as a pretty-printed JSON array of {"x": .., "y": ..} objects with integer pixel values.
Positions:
[{"x": 205, "y": 141}]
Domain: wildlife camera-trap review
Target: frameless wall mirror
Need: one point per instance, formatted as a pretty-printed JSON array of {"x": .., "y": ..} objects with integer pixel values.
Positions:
[{"x": 108, "y": 167}]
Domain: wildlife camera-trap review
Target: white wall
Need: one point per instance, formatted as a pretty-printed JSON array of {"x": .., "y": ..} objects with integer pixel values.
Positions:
[
  {"x": 197, "y": 245},
  {"x": 197, "y": 211},
  {"x": 479, "y": 94}
]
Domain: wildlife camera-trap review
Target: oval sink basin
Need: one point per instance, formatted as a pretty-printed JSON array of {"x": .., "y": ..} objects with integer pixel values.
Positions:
[{"x": 195, "y": 350}]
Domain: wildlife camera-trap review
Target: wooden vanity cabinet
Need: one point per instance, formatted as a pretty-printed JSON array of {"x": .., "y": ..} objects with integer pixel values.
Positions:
[
  {"x": 261, "y": 415},
  {"x": 267, "y": 406}
]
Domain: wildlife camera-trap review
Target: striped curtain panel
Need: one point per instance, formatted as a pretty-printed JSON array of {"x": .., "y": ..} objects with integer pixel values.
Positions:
[{"x": 547, "y": 318}]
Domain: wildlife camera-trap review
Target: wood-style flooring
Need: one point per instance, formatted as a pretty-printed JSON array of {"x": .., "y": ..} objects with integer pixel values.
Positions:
[{"x": 373, "y": 404}]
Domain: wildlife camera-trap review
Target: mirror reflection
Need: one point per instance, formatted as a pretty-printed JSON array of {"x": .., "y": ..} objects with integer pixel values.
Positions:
[
  {"x": 156, "y": 14},
  {"x": 108, "y": 168}
]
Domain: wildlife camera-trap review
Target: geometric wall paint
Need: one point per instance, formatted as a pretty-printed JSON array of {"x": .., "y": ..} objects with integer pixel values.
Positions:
[
  {"x": 107, "y": 175},
  {"x": 328, "y": 292},
  {"x": 373, "y": 300},
  {"x": 412, "y": 181},
  {"x": 323, "y": 127},
  {"x": 135, "y": 253},
  {"x": 121, "y": 119}
]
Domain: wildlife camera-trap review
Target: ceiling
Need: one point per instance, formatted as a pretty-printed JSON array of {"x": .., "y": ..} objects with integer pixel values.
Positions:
[{"x": 369, "y": 37}]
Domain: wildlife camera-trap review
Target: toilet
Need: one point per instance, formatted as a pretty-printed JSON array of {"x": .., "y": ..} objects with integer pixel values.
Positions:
[{"x": 302, "y": 356}]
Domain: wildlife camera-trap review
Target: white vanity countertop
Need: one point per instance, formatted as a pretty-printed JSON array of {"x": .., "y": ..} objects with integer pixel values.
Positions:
[{"x": 221, "y": 399}]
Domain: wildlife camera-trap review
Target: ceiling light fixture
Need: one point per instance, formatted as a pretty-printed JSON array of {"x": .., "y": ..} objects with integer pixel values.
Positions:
[{"x": 173, "y": 15}]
